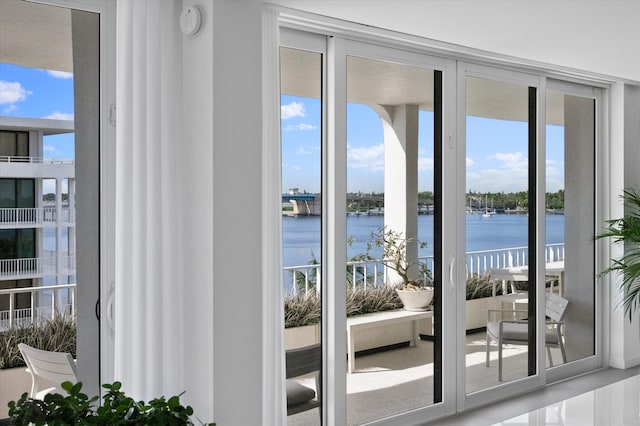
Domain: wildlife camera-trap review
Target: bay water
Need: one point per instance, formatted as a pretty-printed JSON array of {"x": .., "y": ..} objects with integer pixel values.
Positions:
[{"x": 301, "y": 234}]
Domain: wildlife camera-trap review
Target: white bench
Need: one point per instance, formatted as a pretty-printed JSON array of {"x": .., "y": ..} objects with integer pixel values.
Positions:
[{"x": 360, "y": 322}]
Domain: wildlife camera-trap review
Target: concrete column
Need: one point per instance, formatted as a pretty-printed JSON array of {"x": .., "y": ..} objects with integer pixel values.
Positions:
[
  {"x": 71, "y": 185},
  {"x": 579, "y": 140},
  {"x": 58, "y": 230},
  {"x": 400, "y": 124}
]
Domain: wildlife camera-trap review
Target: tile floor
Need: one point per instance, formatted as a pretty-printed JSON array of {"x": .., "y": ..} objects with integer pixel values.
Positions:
[{"x": 604, "y": 398}]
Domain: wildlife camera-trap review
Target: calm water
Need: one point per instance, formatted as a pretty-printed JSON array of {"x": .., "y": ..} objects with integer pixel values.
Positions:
[{"x": 301, "y": 235}]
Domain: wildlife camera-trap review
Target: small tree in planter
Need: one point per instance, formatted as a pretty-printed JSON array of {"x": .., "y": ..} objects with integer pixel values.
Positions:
[{"x": 416, "y": 294}]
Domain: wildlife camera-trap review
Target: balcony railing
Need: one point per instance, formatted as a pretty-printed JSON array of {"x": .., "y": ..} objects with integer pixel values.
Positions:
[
  {"x": 36, "y": 216},
  {"x": 301, "y": 279},
  {"x": 44, "y": 303},
  {"x": 36, "y": 267},
  {"x": 34, "y": 160}
]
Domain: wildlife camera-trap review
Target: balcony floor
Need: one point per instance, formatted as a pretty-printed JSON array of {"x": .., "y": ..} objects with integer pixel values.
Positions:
[{"x": 399, "y": 380}]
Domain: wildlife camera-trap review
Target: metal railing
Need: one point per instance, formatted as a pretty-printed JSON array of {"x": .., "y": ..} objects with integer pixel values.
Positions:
[
  {"x": 43, "y": 304},
  {"x": 36, "y": 267},
  {"x": 36, "y": 216},
  {"x": 367, "y": 273},
  {"x": 34, "y": 160}
]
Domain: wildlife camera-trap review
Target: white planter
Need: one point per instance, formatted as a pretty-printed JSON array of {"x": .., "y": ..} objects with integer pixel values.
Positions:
[
  {"x": 416, "y": 300},
  {"x": 13, "y": 383},
  {"x": 477, "y": 312},
  {"x": 297, "y": 337}
]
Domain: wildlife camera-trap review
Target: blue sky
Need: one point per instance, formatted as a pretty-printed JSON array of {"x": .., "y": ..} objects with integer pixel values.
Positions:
[
  {"x": 34, "y": 93},
  {"x": 496, "y": 151}
]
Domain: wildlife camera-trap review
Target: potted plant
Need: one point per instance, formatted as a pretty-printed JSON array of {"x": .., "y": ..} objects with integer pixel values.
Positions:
[
  {"x": 116, "y": 409},
  {"x": 416, "y": 294},
  {"x": 626, "y": 230}
]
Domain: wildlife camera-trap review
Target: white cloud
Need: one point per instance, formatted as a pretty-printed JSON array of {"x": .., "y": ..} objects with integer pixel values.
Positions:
[
  {"x": 294, "y": 109},
  {"x": 51, "y": 150},
  {"x": 425, "y": 163},
  {"x": 11, "y": 92},
  {"x": 470, "y": 162},
  {"x": 60, "y": 74},
  {"x": 11, "y": 108},
  {"x": 498, "y": 180},
  {"x": 366, "y": 157},
  {"x": 296, "y": 168},
  {"x": 57, "y": 115},
  {"x": 301, "y": 126},
  {"x": 512, "y": 160},
  {"x": 303, "y": 151}
]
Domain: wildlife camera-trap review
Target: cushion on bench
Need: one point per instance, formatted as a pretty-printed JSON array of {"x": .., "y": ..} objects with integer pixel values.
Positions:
[{"x": 297, "y": 393}]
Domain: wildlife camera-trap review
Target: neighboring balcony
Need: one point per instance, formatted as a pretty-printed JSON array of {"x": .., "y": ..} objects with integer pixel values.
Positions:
[
  {"x": 21, "y": 306},
  {"x": 37, "y": 267},
  {"x": 30, "y": 167},
  {"x": 36, "y": 217}
]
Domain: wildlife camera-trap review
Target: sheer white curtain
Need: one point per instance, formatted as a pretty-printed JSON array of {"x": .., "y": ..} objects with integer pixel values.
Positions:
[{"x": 148, "y": 297}]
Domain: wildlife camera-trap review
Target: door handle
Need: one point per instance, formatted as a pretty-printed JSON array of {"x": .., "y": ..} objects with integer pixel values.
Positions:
[{"x": 452, "y": 264}]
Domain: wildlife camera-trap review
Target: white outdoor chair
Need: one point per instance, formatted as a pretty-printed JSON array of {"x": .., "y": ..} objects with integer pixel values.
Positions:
[
  {"x": 515, "y": 331},
  {"x": 48, "y": 368}
]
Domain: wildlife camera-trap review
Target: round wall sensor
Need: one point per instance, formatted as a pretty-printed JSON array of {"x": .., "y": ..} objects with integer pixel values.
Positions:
[{"x": 190, "y": 20}]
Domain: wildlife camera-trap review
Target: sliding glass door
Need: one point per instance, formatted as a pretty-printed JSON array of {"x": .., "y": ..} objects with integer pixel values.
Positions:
[
  {"x": 500, "y": 220},
  {"x": 398, "y": 167},
  {"x": 394, "y": 354}
]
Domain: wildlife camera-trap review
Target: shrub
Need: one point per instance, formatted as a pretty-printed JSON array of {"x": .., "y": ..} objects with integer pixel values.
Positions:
[
  {"x": 57, "y": 334},
  {"x": 305, "y": 310},
  {"x": 479, "y": 286},
  {"x": 117, "y": 409}
]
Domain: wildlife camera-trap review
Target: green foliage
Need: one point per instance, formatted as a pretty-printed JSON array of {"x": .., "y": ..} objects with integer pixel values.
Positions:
[
  {"x": 117, "y": 409},
  {"x": 375, "y": 299},
  {"x": 306, "y": 310},
  {"x": 626, "y": 230},
  {"x": 302, "y": 310},
  {"x": 57, "y": 335},
  {"x": 308, "y": 279},
  {"x": 479, "y": 286}
]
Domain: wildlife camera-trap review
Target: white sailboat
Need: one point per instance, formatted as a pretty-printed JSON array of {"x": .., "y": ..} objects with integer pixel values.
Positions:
[{"x": 487, "y": 212}]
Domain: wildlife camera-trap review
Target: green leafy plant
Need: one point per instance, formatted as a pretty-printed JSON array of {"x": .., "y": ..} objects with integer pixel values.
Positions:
[
  {"x": 626, "y": 230},
  {"x": 117, "y": 409}
]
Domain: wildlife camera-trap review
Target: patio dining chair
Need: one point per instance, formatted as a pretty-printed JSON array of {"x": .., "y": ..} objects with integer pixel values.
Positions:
[
  {"x": 300, "y": 362},
  {"x": 48, "y": 370},
  {"x": 514, "y": 331}
]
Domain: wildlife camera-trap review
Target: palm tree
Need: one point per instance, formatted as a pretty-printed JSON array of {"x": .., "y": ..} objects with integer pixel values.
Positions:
[{"x": 626, "y": 230}]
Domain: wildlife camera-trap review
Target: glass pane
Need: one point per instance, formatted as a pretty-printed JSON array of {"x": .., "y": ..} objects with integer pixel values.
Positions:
[
  {"x": 570, "y": 218},
  {"x": 26, "y": 193},
  {"x": 301, "y": 119},
  {"x": 390, "y": 186},
  {"x": 497, "y": 233}
]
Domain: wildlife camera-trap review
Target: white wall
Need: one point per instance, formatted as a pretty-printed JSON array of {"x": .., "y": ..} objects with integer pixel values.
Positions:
[
  {"x": 623, "y": 335},
  {"x": 596, "y": 36},
  {"x": 222, "y": 239},
  {"x": 221, "y": 152}
]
